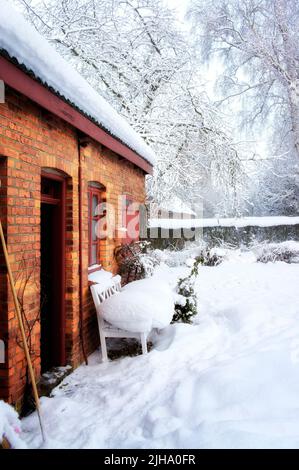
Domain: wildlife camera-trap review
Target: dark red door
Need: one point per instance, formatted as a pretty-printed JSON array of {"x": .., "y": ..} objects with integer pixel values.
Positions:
[{"x": 52, "y": 272}]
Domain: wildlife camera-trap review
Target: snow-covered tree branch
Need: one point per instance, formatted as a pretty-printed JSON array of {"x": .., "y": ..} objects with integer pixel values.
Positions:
[
  {"x": 257, "y": 44},
  {"x": 137, "y": 56}
]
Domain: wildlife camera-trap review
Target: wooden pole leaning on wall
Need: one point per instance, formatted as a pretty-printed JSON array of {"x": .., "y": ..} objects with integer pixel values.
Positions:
[{"x": 21, "y": 326}]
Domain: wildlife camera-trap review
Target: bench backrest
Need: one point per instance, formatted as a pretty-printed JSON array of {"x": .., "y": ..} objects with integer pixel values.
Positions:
[{"x": 102, "y": 292}]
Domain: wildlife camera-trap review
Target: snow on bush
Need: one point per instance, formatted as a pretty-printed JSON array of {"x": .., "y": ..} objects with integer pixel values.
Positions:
[
  {"x": 141, "y": 306},
  {"x": 148, "y": 262},
  {"x": 271, "y": 252},
  {"x": 10, "y": 426},
  {"x": 186, "y": 302},
  {"x": 172, "y": 258},
  {"x": 143, "y": 260},
  {"x": 211, "y": 257},
  {"x": 175, "y": 258},
  {"x": 136, "y": 261}
]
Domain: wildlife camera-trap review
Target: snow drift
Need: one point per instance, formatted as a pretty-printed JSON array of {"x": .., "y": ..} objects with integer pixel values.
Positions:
[
  {"x": 231, "y": 380},
  {"x": 10, "y": 426}
]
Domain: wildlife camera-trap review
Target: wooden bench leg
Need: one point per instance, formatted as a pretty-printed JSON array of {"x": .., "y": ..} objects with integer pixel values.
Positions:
[
  {"x": 103, "y": 347},
  {"x": 143, "y": 343}
]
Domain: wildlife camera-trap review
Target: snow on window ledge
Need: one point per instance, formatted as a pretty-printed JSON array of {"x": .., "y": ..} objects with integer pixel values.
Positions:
[
  {"x": 99, "y": 276},
  {"x": 94, "y": 267}
]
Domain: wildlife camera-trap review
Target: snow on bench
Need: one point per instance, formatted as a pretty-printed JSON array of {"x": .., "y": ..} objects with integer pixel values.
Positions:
[
  {"x": 100, "y": 293},
  {"x": 132, "y": 312}
]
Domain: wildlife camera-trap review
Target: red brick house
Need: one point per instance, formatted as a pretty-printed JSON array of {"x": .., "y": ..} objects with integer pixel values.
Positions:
[{"x": 62, "y": 150}]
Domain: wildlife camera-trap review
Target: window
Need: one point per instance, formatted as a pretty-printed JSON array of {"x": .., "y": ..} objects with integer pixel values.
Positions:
[
  {"x": 130, "y": 215},
  {"x": 95, "y": 197}
]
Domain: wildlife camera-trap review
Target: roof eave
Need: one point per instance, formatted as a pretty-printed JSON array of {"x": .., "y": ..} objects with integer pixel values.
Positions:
[{"x": 23, "y": 83}]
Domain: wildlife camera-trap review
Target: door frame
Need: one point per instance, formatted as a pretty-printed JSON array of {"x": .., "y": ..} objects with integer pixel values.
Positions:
[{"x": 55, "y": 201}]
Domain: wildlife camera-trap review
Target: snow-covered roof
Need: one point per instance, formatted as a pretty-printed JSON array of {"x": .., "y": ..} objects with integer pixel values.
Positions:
[
  {"x": 177, "y": 205},
  {"x": 23, "y": 43}
]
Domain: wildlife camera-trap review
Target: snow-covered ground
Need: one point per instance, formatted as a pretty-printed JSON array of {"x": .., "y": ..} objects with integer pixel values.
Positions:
[
  {"x": 231, "y": 380},
  {"x": 10, "y": 426}
]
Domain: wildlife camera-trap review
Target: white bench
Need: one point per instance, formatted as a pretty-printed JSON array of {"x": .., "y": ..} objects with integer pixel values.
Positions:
[{"x": 101, "y": 292}]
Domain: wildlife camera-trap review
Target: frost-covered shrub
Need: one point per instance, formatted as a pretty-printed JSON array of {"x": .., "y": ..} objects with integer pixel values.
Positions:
[
  {"x": 286, "y": 251},
  {"x": 136, "y": 261},
  {"x": 186, "y": 301},
  {"x": 210, "y": 258},
  {"x": 175, "y": 258},
  {"x": 148, "y": 262}
]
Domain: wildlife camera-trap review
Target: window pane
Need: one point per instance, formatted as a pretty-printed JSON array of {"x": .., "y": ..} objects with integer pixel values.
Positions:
[
  {"x": 94, "y": 204},
  {"x": 94, "y": 257},
  {"x": 94, "y": 235}
]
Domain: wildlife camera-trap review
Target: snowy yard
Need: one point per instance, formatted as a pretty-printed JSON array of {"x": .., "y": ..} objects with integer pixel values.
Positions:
[
  {"x": 231, "y": 380},
  {"x": 191, "y": 107}
]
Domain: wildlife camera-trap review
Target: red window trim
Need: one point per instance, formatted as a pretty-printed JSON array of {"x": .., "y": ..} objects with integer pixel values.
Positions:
[{"x": 92, "y": 217}]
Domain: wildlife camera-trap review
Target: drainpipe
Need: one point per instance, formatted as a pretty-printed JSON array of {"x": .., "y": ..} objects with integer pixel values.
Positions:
[{"x": 81, "y": 145}]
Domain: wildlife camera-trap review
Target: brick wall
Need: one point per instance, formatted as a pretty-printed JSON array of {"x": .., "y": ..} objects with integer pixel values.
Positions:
[{"x": 32, "y": 139}]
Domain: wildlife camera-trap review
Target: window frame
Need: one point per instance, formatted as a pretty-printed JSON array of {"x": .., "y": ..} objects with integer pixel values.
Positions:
[{"x": 93, "y": 191}]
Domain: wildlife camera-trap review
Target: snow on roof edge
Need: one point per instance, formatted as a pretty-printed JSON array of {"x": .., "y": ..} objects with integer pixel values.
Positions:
[
  {"x": 4, "y": 53},
  {"x": 47, "y": 65}
]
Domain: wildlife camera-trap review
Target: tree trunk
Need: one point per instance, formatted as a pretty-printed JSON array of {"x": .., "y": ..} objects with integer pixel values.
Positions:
[{"x": 294, "y": 112}]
